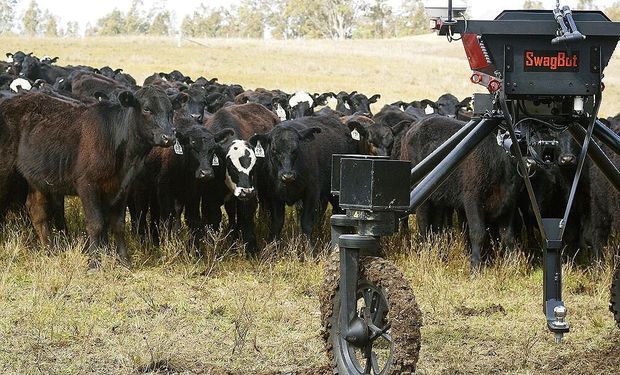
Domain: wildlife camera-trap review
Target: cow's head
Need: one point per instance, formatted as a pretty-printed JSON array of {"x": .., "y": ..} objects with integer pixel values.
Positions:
[
  {"x": 49, "y": 60},
  {"x": 197, "y": 145},
  {"x": 30, "y": 68},
  {"x": 378, "y": 136},
  {"x": 448, "y": 105},
  {"x": 154, "y": 112},
  {"x": 302, "y": 104},
  {"x": 282, "y": 146},
  {"x": 281, "y": 108},
  {"x": 568, "y": 150},
  {"x": 360, "y": 103},
  {"x": 195, "y": 105},
  {"x": 240, "y": 162}
]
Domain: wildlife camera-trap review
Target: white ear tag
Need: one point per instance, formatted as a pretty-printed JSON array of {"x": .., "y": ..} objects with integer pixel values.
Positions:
[
  {"x": 215, "y": 161},
  {"x": 177, "y": 148},
  {"x": 259, "y": 151},
  {"x": 429, "y": 110},
  {"x": 355, "y": 134}
]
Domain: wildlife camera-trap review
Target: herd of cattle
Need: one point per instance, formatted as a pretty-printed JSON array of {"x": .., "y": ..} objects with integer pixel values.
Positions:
[{"x": 177, "y": 148}]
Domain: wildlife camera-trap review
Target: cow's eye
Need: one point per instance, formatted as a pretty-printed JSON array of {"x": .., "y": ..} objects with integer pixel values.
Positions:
[
  {"x": 146, "y": 111},
  {"x": 193, "y": 142}
]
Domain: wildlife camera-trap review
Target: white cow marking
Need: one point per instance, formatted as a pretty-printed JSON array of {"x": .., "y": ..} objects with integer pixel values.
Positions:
[
  {"x": 299, "y": 97},
  {"x": 429, "y": 110},
  {"x": 9, "y": 59},
  {"x": 280, "y": 112},
  {"x": 18, "y": 83},
  {"x": 238, "y": 150}
]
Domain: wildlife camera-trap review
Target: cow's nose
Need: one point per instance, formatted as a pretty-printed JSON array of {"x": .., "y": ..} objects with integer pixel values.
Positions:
[
  {"x": 21, "y": 74},
  {"x": 202, "y": 173},
  {"x": 567, "y": 159},
  {"x": 288, "y": 177},
  {"x": 196, "y": 116}
]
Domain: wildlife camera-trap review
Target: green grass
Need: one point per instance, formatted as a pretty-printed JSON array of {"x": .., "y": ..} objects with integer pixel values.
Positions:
[{"x": 173, "y": 313}]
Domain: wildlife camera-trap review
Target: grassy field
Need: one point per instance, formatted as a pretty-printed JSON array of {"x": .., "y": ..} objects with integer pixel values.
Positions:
[{"x": 221, "y": 314}]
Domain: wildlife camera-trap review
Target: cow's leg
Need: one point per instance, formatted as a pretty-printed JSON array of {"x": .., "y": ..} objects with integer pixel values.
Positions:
[
  {"x": 231, "y": 211},
  {"x": 116, "y": 218},
  {"x": 95, "y": 224},
  {"x": 57, "y": 209},
  {"x": 507, "y": 230},
  {"x": 38, "y": 205},
  {"x": 166, "y": 217},
  {"x": 245, "y": 220},
  {"x": 422, "y": 217},
  {"x": 277, "y": 220},
  {"x": 477, "y": 232}
]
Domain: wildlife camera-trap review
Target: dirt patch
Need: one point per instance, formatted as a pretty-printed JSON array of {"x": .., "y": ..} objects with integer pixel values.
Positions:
[{"x": 482, "y": 311}]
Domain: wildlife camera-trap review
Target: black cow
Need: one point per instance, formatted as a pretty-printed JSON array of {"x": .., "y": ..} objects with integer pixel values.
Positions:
[
  {"x": 355, "y": 102},
  {"x": 303, "y": 104},
  {"x": 298, "y": 156},
  {"x": 93, "y": 151},
  {"x": 235, "y": 164},
  {"x": 485, "y": 187},
  {"x": 33, "y": 69},
  {"x": 167, "y": 185},
  {"x": 448, "y": 105}
]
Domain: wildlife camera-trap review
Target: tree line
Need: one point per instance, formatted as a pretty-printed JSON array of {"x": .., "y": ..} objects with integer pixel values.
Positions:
[{"x": 282, "y": 19}]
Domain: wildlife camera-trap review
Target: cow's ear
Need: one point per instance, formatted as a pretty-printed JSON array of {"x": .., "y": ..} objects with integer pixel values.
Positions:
[
  {"x": 321, "y": 99},
  {"x": 400, "y": 126},
  {"x": 308, "y": 134},
  {"x": 264, "y": 139},
  {"x": 352, "y": 93},
  {"x": 400, "y": 104},
  {"x": 224, "y": 136},
  {"x": 119, "y": 70},
  {"x": 96, "y": 71},
  {"x": 465, "y": 103},
  {"x": 426, "y": 102},
  {"x": 356, "y": 126},
  {"x": 212, "y": 80},
  {"x": 9, "y": 54},
  {"x": 178, "y": 100},
  {"x": 100, "y": 96},
  {"x": 374, "y": 98},
  {"x": 127, "y": 99},
  {"x": 39, "y": 83},
  {"x": 55, "y": 59}
]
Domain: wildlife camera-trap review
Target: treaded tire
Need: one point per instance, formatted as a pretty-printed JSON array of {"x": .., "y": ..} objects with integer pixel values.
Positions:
[
  {"x": 614, "y": 304},
  {"x": 403, "y": 314}
]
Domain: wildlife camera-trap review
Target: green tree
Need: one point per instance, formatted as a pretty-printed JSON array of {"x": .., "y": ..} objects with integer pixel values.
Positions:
[
  {"x": 135, "y": 20},
  {"x": 533, "y": 4},
  {"x": 613, "y": 11},
  {"x": 162, "y": 23},
  {"x": 204, "y": 22},
  {"x": 411, "y": 19},
  {"x": 7, "y": 15},
  {"x": 251, "y": 19},
  {"x": 377, "y": 21},
  {"x": 32, "y": 19},
  {"x": 111, "y": 24},
  {"x": 72, "y": 29},
  {"x": 50, "y": 24}
]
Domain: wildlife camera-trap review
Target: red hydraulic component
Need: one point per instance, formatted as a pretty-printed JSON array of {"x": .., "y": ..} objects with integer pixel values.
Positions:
[{"x": 476, "y": 51}]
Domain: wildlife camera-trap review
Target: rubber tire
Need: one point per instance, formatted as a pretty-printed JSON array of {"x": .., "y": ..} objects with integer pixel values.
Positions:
[
  {"x": 614, "y": 304},
  {"x": 404, "y": 314}
]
